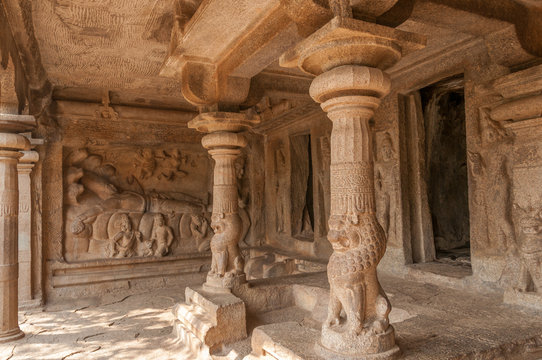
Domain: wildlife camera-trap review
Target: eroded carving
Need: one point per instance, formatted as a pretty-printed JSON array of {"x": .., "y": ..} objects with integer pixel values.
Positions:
[
  {"x": 280, "y": 185},
  {"x": 243, "y": 194},
  {"x": 529, "y": 243},
  {"x": 162, "y": 235},
  {"x": 491, "y": 171},
  {"x": 123, "y": 243},
  {"x": 118, "y": 215},
  {"x": 386, "y": 175}
]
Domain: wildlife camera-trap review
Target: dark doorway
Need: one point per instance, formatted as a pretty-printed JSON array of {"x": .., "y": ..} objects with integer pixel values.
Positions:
[
  {"x": 446, "y": 153},
  {"x": 302, "y": 187}
]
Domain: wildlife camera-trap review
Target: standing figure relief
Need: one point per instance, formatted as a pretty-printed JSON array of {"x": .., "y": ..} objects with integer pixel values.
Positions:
[
  {"x": 529, "y": 244},
  {"x": 490, "y": 168}
]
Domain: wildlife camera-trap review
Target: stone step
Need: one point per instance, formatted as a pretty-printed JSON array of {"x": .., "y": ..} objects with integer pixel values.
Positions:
[
  {"x": 208, "y": 320},
  {"x": 192, "y": 346},
  {"x": 194, "y": 318},
  {"x": 288, "y": 340}
]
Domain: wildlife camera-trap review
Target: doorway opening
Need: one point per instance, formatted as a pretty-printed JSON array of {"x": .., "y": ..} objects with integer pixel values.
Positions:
[
  {"x": 443, "y": 107},
  {"x": 302, "y": 188}
]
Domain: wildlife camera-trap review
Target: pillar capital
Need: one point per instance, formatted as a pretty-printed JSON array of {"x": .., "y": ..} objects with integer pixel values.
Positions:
[
  {"x": 210, "y": 122},
  {"x": 27, "y": 161}
]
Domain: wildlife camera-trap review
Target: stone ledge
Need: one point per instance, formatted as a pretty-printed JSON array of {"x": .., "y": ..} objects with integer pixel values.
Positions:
[
  {"x": 521, "y": 298},
  {"x": 70, "y": 274},
  {"x": 288, "y": 340}
]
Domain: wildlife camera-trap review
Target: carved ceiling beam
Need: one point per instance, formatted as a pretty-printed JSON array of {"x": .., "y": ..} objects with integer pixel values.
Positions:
[
  {"x": 227, "y": 42},
  {"x": 516, "y": 97},
  {"x": 246, "y": 37},
  {"x": 19, "y": 17},
  {"x": 526, "y": 15}
]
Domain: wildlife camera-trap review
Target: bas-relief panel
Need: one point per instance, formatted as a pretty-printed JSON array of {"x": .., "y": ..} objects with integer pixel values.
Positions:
[
  {"x": 386, "y": 173},
  {"x": 124, "y": 201},
  {"x": 527, "y": 214}
]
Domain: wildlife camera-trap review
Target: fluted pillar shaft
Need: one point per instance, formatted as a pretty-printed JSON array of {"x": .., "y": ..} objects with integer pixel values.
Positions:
[
  {"x": 10, "y": 144},
  {"x": 24, "y": 169}
]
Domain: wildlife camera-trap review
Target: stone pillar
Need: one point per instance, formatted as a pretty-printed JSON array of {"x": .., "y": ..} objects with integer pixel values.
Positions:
[
  {"x": 10, "y": 144},
  {"x": 212, "y": 315},
  {"x": 358, "y": 240},
  {"x": 348, "y": 56},
  {"x": 24, "y": 169},
  {"x": 224, "y": 144}
]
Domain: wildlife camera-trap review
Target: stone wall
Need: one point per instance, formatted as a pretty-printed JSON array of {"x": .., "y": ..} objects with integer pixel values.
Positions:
[
  {"x": 297, "y": 160},
  {"x": 501, "y": 166},
  {"x": 127, "y": 195}
]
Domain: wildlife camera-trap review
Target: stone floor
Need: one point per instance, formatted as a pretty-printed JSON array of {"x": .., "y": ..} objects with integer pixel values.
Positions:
[{"x": 432, "y": 323}]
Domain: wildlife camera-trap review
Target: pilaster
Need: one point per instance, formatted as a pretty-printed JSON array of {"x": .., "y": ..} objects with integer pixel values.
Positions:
[
  {"x": 24, "y": 169},
  {"x": 10, "y": 146}
]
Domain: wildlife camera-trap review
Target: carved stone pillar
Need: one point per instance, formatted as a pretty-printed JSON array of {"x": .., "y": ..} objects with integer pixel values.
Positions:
[
  {"x": 10, "y": 144},
  {"x": 212, "y": 315},
  {"x": 348, "y": 56},
  {"x": 224, "y": 144},
  {"x": 24, "y": 169}
]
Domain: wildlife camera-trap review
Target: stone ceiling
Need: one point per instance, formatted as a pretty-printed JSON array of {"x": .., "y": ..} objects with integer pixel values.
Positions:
[{"x": 119, "y": 45}]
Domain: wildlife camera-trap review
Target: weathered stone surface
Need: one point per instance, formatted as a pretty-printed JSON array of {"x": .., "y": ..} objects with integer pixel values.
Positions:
[
  {"x": 207, "y": 320},
  {"x": 10, "y": 153},
  {"x": 430, "y": 167}
]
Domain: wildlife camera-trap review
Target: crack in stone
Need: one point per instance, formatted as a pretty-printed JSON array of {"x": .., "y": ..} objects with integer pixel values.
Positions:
[
  {"x": 118, "y": 301},
  {"x": 82, "y": 308},
  {"x": 90, "y": 336},
  {"x": 73, "y": 353},
  {"x": 12, "y": 352}
]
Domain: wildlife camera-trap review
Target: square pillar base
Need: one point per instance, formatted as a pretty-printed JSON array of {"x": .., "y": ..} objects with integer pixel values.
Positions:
[{"x": 207, "y": 320}]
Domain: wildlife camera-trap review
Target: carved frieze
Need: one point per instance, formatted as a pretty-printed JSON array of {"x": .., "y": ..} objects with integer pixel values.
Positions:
[{"x": 122, "y": 202}]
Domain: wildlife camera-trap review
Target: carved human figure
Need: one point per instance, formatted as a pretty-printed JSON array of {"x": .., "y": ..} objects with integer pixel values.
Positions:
[
  {"x": 198, "y": 228},
  {"x": 491, "y": 168},
  {"x": 529, "y": 241},
  {"x": 280, "y": 168},
  {"x": 122, "y": 244},
  {"x": 162, "y": 235},
  {"x": 83, "y": 232},
  {"x": 385, "y": 184},
  {"x": 145, "y": 163},
  {"x": 113, "y": 199},
  {"x": 323, "y": 171},
  {"x": 243, "y": 196},
  {"x": 170, "y": 165}
]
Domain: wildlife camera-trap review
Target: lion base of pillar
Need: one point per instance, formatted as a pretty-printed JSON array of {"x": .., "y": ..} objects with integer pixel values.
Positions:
[
  {"x": 224, "y": 283},
  {"x": 337, "y": 344},
  {"x": 11, "y": 335},
  {"x": 207, "y": 320}
]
